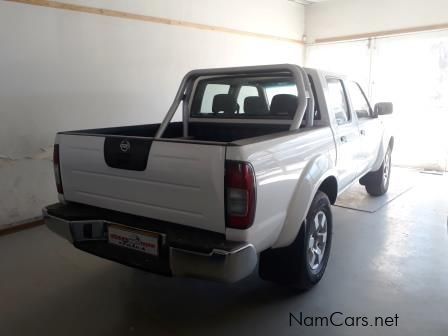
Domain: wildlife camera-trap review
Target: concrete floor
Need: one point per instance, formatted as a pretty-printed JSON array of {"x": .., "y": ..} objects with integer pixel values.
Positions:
[{"x": 394, "y": 261}]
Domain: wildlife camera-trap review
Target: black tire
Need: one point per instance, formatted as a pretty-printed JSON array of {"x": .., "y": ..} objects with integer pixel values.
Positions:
[
  {"x": 290, "y": 265},
  {"x": 377, "y": 182}
]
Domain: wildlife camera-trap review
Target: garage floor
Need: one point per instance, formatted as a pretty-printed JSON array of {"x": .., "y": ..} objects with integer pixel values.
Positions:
[{"x": 394, "y": 261}]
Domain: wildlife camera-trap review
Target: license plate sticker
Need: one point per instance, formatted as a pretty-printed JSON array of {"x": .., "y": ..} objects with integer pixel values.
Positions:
[{"x": 146, "y": 242}]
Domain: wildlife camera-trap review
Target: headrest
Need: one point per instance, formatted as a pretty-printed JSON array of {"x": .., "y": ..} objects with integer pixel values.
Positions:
[
  {"x": 284, "y": 104},
  {"x": 255, "y": 106},
  {"x": 225, "y": 103}
]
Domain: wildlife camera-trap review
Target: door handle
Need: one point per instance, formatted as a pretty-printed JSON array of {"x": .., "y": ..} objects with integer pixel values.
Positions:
[
  {"x": 362, "y": 132},
  {"x": 344, "y": 139}
]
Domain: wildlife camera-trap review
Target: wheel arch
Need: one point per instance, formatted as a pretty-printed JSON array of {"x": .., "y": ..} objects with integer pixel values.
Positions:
[
  {"x": 319, "y": 174},
  {"x": 391, "y": 142},
  {"x": 329, "y": 186},
  {"x": 388, "y": 141}
]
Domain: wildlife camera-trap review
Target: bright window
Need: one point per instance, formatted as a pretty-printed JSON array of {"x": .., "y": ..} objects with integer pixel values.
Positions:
[
  {"x": 280, "y": 88},
  {"x": 245, "y": 97},
  {"x": 246, "y": 91},
  {"x": 336, "y": 101},
  {"x": 211, "y": 91},
  {"x": 411, "y": 72},
  {"x": 359, "y": 102}
]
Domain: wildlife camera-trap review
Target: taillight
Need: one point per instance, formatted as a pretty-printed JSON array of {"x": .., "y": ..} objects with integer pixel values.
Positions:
[
  {"x": 57, "y": 169},
  {"x": 240, "y": 194}
]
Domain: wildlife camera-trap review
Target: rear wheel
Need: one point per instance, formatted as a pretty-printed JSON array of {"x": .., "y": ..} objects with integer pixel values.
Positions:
[
  {"x": 377, "y": 182},
  {"x": 302, "y": 264}
]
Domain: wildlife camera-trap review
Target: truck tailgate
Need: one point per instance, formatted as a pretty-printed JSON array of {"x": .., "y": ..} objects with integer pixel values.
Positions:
[{"x": 177, "y": 182}]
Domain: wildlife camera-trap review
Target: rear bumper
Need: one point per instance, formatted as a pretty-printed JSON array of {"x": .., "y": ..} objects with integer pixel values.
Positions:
[{"x": 219, "y": 260}]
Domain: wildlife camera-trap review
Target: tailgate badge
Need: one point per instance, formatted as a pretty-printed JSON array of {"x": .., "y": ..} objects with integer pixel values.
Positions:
[{"x": 125, "y": 146}]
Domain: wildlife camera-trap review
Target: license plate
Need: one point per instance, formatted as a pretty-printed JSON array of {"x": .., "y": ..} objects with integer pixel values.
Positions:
[{"x": 146, "y": 242}]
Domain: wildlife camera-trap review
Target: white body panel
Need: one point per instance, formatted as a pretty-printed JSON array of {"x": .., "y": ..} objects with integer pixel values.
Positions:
[
  {"x": 371, "y": 133},
  {"x": 279, "y": 164},
  {"x": 349, "y": 149},
  {"x": 182, "y": 183}
]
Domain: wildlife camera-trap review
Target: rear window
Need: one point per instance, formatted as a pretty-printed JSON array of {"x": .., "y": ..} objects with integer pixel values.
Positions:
[
  {"x": 211, "y": 91},
  {"x": 280, "y": 88},
  {"x": 267, "y": 97}
]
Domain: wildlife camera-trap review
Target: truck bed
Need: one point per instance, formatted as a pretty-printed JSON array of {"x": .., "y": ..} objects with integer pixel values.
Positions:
[{"x": 201, "y": 131}]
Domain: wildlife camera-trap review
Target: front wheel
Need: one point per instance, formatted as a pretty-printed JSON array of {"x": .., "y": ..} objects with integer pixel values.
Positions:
[
  {"x": 377, "y": 182},
  {"x": 302, "y": 264}
]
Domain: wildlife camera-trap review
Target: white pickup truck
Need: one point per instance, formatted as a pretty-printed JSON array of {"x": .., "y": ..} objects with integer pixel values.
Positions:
[{"x": 246, "y": 176}]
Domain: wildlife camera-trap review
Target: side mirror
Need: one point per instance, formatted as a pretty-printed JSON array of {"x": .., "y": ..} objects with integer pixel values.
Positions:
[{"x": 383, "y": 109}]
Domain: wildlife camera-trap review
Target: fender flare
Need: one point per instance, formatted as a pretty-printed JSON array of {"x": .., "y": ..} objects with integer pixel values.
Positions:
[
  {"x": 315, "y": 172},
  {"x": 387, "y": 139}
]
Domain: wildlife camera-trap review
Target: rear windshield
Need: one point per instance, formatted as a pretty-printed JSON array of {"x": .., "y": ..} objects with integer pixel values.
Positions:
[{"x": 267, "y": 97}]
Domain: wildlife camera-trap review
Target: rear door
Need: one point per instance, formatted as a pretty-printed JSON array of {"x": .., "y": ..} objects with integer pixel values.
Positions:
[
  {"x": 346, "y": 132},
  {"x": 177, "y": 182}
]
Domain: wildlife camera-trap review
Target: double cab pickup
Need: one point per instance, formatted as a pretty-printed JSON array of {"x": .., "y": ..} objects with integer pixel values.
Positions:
[{"x": 241, "y": 172}]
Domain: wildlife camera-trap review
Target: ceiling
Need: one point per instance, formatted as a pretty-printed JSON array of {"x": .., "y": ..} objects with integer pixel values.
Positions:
[{"x": 306, "y": 2}]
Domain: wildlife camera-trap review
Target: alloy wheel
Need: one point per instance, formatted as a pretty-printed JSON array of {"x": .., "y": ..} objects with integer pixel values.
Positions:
[{"x": 317, "y": 240}]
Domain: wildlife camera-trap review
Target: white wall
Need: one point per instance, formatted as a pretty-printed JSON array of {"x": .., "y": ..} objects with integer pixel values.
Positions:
[
  {"x": 348, "y": 17},
  {"x": 63, "y": 70}
]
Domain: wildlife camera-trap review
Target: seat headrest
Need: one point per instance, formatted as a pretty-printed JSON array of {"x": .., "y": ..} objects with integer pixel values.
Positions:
[
  {"x": 284, "y": 104},
  {"x": 225, "y": 103},
  {"x": 255, "y": 105}
]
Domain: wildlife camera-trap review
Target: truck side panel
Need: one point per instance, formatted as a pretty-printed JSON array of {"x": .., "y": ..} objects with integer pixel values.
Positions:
[{"x": 279, "y": 164}]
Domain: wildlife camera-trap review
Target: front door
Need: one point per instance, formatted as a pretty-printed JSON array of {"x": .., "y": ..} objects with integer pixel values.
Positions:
[{"x": 369, "y": 127}]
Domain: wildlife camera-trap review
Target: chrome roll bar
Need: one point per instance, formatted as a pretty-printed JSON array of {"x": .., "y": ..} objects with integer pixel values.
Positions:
[{"x": 298, "y": 74}]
